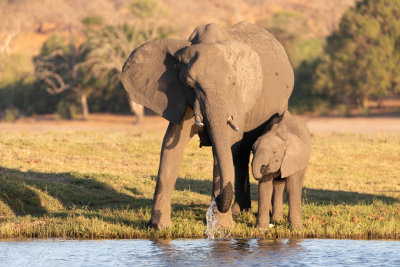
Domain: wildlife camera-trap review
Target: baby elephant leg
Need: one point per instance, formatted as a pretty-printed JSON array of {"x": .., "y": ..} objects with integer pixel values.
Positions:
[
  {"x": 277, "y": 199},
  {"x": 294, "y": 184},
  {"x": 264, "y": 203}
]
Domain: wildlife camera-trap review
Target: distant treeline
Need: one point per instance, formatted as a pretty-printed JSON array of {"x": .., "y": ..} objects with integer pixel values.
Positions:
[
  {"x": 359, "y": 62},
  {"x": 356, "y": 63}
]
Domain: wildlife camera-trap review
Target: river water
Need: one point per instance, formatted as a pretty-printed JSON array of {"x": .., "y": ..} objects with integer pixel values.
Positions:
[{"x": 200, "y": 252}]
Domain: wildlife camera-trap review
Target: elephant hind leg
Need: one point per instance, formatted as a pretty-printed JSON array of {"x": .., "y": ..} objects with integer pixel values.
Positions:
[
  {"x": 175, "y": 139},
  {"x": 294, "y": 185}
]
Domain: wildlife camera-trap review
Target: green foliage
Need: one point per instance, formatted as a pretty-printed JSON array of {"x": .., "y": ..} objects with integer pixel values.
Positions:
[
  {"x": 67, "y": 108},
  {"x": 362, "y": 56},
  {"x": 18, "y": 88},
  {"x": 343, "y": 109},
  {"x": 14, "y": 67},
  {"x": 56, "y": 42},
  {"x": 9, "y": 115},
  {"x": 109, "y": 47},
  {"x": 109, "y": 98},
  {"x": 28, "y": 97},
  {"x": 59, "y": 68},
  {"x": 307, "y": 50},
  {"x": 292, "y": 30},
  {"x": 93, "y": 21},
  {"x": 303, "y": 97},
  {"x": 145, "y": 8},
  {"x": 288, "y": 25},
  {"x": 66, "y": 67}
]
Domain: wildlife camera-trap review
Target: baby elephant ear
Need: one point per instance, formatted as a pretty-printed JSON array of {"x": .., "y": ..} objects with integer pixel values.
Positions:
[
  {"x": 296, "y": 156},
  {"x": 151, "y": 77}
]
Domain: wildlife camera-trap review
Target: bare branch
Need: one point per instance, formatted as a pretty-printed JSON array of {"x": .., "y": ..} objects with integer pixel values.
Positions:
[{"x": 54, "y": 81}]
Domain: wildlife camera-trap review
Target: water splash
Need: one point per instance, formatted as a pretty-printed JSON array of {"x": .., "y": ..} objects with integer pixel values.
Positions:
[
  {"x": 211, "y": 221},
  {"x": 213, "y": 231}
]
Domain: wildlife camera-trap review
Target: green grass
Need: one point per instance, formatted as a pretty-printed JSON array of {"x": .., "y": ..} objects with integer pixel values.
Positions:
[{"x": 91, "y": 184}]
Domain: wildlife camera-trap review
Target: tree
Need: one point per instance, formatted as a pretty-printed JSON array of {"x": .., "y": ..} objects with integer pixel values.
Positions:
[
  {"x": 292, "y": 30},
  {"x": 111, "y": 45},
  {"x": 11, "y": 24},
  {"x": 148, "y": 16},
  {"x": 60, "y": 67},
  {"x": 362, "y": 55}
]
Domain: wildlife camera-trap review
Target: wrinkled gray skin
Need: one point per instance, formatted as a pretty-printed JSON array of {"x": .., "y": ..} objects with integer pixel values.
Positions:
[
  {"x": 280, "y": 158},
  {"x": 223, "y": 84}
]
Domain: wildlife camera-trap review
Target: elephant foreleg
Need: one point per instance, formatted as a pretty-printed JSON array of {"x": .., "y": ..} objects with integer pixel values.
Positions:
[
  {"x": 264, "y": 203},
  {"x": 223, "y": 219},
  {"x": 277, "y": 199},
  {"x": 174, "y": 142},
  {"x": 294, "y": 184}
]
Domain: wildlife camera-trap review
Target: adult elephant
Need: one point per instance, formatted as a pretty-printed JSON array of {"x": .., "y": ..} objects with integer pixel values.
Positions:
[{"x": 223, "y": 84}]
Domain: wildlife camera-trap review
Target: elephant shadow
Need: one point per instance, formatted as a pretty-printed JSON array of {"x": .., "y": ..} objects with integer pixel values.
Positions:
[
  {"x": 317, "y": 196},
  {"x": 323, "y": 197},
  {"x": 203, "y": 187},
  {"x": 29, "y": 193},
  {"x": 37, "y": 194}
]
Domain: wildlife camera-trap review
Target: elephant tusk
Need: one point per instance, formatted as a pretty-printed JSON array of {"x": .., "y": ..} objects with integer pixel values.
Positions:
[
  {"x": 232, "y": 124},
  {"x": 198, "y": 120}
]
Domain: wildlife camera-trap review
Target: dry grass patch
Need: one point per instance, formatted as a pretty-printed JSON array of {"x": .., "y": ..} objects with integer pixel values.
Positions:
[{"x": 92, "y": 184}]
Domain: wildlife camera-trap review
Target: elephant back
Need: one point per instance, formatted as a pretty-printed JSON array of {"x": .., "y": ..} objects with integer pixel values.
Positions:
[
  {"x": 278, "y": 76},
  {"x": 275, "y": 62}
]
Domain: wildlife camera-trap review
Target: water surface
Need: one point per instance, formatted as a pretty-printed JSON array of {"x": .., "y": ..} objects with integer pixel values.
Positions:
[{"x": 200, "y": 252}]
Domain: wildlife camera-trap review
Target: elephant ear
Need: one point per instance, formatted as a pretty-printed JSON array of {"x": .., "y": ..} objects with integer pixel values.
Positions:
[
  {"x": 151, "y": 77},
  {"x": 296, "y": 156}
]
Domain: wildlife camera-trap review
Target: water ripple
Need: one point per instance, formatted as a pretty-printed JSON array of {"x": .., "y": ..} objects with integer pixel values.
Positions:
[{"x": 200, "y": 252}]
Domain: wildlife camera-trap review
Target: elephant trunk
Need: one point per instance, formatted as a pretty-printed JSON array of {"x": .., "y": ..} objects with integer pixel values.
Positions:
[
  {"x": 220, "y": 134},
  {"x": 256, "y": 167}
]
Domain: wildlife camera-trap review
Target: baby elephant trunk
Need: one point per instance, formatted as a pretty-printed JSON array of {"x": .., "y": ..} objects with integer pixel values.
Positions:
[{"x": 259, "y": 168}]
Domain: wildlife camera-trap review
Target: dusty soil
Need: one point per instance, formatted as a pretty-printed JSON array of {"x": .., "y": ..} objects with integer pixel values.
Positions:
[
  {"x": 102, "y": 122},
  {"x": 387, "y": 123},
  {"x": 318, "y": 125}
]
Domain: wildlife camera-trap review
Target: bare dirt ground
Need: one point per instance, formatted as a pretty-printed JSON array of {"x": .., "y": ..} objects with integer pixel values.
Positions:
[
  {"x": 102, "y": 122},
  {"x": 320, "y": 125},
  {"x": 386, "y": 123}
]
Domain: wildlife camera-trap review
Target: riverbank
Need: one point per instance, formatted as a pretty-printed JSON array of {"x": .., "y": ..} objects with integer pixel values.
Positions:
[{"x": 98, "y": 183}]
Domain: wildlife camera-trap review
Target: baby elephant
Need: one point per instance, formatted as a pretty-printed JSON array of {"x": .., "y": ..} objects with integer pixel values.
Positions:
[{"x": 280, "y": 158}]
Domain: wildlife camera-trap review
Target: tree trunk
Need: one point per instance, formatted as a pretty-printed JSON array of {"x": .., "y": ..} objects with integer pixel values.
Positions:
[
  {"x": 379, "y": 103},
  {"x": 138, "y": 110},
  {"x": 365, "y": 103},
  {"x": 85, "y": 107}
]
